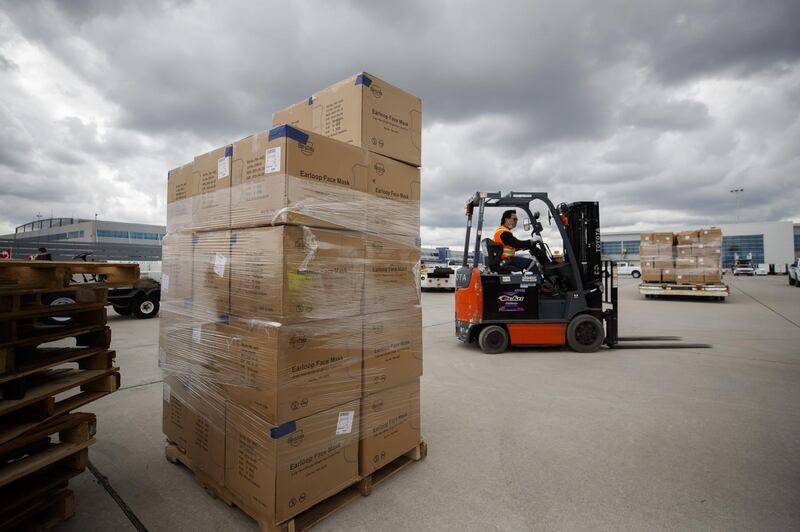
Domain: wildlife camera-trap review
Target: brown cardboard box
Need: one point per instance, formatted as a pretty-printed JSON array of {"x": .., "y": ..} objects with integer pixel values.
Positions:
[
  {"x": 664, "y": 238},
  {"x": 710, "y": 236},
  {"x": 648, "y": 250},
  {"x": 212, "y": 175},
  {"x": 666, "y": 251},
  {"x": 712, "y": 276},
  {"x": 685, "y": 263},
  {"x": 365, "y": 111},
  {"x": 646, "y": 238},
  {"x": 707, "y": 250},
  {"x": 651, "y": 276},
  {"x": 175, "y": 338},
  {"x": 280, "y": 471},
  {"x": 648, "y": 264},
  {"x": 692, "y": 276},
  {"x": 177, "y": 254},
  {"x": 290, "y": 371},
  {"x": 194, "y": 419},
  {"x": 686, "y": 238},
  {"x": 290, "y": 176},
  {"x": 392, "y": 349},
  {"x": 308, "y": 274},
  {"x": 391, "y": 273},
  {"x": 668, "y": 275},
  {"x": 390, "y": 426},
  {"x": 662, "y": 264},
  {"x": 181, "y": 193},
  {"x": 707, "y": 262},
  {"x": 684, "y": 250},
  {"x": 211, "y": 275},
  {"x": 395, "y": 187}
]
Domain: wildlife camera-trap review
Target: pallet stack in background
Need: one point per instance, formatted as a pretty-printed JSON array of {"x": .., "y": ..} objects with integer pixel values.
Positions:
[
  {"x": 290, "y": 323},
  {"x": 687, "y": 257},
  {"x": 53, "y": 360}
]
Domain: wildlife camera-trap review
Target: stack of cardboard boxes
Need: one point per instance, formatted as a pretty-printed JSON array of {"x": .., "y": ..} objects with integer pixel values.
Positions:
[
  {"x": 291, "y": 327},
  {"x": 687, "y": 257}
]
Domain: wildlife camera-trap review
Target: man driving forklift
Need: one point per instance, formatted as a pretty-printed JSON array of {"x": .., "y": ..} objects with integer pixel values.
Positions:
[{"x": 504, "y": 236}]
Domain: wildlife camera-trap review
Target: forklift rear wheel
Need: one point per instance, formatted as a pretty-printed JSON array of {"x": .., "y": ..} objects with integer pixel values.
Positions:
[
  {"x": 585, "y": 333},
  {"x": 493, "y": 339}
]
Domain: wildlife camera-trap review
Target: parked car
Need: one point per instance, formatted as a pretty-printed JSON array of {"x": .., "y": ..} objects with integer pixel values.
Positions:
[
  {"x": 629, "y": 268},
  {"x": 794, "y": 273},
  {"x": 743, "y": 267}
]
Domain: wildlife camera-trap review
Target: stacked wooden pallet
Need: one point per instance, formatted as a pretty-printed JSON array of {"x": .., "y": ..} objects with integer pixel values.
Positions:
[{"x": 53, "y": 360}]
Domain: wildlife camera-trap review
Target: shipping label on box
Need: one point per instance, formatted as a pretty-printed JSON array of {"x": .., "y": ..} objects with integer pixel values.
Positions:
[
  {"x": 279, "y": 471},
  {"x": 390, "y": 425},
  {"x": 365, "y": 111},
  {"x": 290, "y": 371}
]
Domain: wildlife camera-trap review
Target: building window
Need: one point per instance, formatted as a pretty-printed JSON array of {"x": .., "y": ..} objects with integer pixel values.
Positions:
[
  {"x": 106, "y": 233},
  {"x": 611, "y": 248},
  {"x": 631, "y": 247},
  {"x": 743, "y": 246},
  {"x": 797, "y": 244}
]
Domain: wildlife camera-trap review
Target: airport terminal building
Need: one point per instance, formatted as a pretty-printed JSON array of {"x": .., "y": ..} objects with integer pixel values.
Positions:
[{"x": 770, "y": 243}]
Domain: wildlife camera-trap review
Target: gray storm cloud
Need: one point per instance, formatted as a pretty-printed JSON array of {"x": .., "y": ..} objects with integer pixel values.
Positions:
[{"x": 654, "y": 109}]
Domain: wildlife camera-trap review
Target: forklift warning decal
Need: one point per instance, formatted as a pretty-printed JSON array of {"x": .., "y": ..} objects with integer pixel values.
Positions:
[{"x": 512, "y": 301}]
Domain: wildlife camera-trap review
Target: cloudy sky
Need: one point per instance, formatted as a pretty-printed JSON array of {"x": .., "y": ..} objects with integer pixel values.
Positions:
[{"x": 655, "y": 109}]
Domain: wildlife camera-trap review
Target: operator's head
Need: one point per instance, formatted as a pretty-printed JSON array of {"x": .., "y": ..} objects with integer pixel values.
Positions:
[
  {"x": 509, "y": 219},
  {"x": 42, "y": 250}
]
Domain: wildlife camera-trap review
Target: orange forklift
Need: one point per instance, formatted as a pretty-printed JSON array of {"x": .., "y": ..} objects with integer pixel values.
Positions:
[{"x": 558, "y": 300}]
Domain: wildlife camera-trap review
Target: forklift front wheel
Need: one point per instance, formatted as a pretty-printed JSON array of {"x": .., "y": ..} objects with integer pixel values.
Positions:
[
  {"x": 493, "y": 339},
  {"x": 585, "y": 333}
]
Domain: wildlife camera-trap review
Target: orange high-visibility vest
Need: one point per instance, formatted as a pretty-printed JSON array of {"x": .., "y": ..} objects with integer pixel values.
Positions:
[{"x": 508, "y": 251}]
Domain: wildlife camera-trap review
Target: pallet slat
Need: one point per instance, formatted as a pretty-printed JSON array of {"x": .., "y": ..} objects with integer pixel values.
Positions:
[{"x": 59, "y": 274}]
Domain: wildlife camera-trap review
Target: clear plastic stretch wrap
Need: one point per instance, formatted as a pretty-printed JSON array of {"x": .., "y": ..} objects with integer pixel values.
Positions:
[
  {"x": 290, "y": 332},
  {"x": 687, "y": 257}
]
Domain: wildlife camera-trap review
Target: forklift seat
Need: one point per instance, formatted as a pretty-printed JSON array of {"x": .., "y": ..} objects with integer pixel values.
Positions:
[{"x": 492, "y": 254}]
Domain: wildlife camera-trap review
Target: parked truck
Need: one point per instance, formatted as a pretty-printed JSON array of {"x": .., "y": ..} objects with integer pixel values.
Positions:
[{"x": 794, "y": 273}]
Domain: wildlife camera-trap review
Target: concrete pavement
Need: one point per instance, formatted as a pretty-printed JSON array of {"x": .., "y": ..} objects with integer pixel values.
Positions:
[{"x": 531, "y": 439}]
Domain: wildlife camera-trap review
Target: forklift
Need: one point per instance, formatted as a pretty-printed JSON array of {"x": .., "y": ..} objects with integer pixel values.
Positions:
[{"x": 559, "y": 300}]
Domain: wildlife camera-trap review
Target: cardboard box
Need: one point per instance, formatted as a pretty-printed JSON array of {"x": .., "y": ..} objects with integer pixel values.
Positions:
[
  {"x": 710, "y": 236},
  {"x": 365, "y": 111},
  {"x": 391, "y": 273},
  {"x": 651, "y": 276},
  {"x": 392, "y": 349},
  {"x": 290, "y": 176},
  {"x": 662, "y": 264},
  {"x": 394, "y": 187},
  {"x": 664, "y": 238},
  {"x": 690, "y": 277},
  {"x": 177, "y": 265},
  {"x": 290, "y": 371},
  {"x": 648, "y": 250},
  {"x": 194, "y": 419},
  {"x": 707, "y": 250},
  {"x": 175, "y": 338},
  {"x": 212, "y": 175},
  {"x": 668, "y": 275},
  {"x": 646, "y": 238},
  {"x": 685, "y": 263},
  {"x": 390, "y": 426},
  {"x": 665, "y": 251},
  {"x": 712, "y": 276},
  {"x": 307, "y": 274},
  {"x": 279, "y": 471},
  {"x": 684, "y": 250},
  {"x": 211, "y": 275},
  {"x": 686, "y": 238},
  {"x": 181, "y": 193}
]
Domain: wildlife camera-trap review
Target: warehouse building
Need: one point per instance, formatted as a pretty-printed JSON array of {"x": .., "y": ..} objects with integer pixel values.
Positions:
[
  {"x": 83, "y": 230},
  {"x": 772, "y": 243}
]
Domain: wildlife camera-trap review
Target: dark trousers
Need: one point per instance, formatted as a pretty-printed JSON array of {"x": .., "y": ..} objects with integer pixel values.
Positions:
[{"x": 520, "y": 262}]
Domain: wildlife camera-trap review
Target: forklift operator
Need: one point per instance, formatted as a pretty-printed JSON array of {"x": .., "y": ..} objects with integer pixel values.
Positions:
[{"x": 505, "y": 238}]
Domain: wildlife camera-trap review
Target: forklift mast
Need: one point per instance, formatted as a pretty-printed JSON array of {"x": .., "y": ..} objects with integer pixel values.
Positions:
[{"x": 582, "y": 221}]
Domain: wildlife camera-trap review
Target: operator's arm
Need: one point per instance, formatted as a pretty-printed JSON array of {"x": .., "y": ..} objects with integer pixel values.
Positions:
[{"x": 509, "y": 240}]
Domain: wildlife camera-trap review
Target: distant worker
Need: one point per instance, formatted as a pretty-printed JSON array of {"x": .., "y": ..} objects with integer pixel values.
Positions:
[
  {"x": 510, "y": 243},
  {"x": 43, "y": 255}
]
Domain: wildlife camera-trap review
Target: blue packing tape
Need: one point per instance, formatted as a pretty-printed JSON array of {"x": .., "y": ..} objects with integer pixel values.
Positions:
[
  {"x": 229, "y": 151},
  {"x": 283, "y": 430},
  {"x": 289, "y": 132},
  {"x": 363, "y": 79}
]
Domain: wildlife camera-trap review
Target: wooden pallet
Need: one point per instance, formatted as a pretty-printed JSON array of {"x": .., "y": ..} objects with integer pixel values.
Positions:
[
  {"x": 32, "y": 301},
  {"x": 41, "y": 404},
  {"x": 59, "y": 274},
  {"x": 26, "y": 352},
  {"x": 317, "y": 513},
  {"x": 28, "y": 328},
  {"x": 44, "y": 513}
]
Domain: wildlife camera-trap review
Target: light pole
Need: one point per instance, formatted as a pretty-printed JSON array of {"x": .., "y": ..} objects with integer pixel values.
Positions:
[{"x": 736, "y": 192}]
